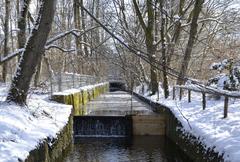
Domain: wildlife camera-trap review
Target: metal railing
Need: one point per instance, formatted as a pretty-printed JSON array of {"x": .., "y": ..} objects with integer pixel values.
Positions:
[{"x": 64, "y": 81}]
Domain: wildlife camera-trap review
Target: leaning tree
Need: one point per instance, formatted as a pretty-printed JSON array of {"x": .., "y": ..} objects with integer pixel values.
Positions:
[{"x": 31, "y": 56}]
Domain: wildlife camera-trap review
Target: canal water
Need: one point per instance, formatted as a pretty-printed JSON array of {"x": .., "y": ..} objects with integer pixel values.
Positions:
[
  {"x": 134, "y": 149},
  {"x": 138, "y": 149}
]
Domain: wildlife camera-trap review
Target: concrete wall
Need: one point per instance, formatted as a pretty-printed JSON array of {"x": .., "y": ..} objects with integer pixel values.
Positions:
[
  {"x": 51, "y": 150},
  {"x": 148, "y": 125},
  {"x": 188, "y": 143},
  {"x": 80, "y": 98}
]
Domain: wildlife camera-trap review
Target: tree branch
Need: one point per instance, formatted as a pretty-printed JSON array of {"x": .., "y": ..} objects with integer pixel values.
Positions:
[
  {"x": 59, "y": 48},
  {"x": 139, "y": 15},
  {"x": 75, "y": 32}
]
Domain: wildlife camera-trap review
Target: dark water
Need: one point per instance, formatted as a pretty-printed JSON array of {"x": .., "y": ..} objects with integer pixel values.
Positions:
[{"x": 139, "y": 149}]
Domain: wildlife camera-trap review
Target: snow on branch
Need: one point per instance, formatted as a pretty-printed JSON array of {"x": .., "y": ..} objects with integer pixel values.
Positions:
[
  {"x": 11, "y": 55},
  {"x": 75, "y": 32},
  {"x": 204, "y": 20},
  {"x": 210, "y": 19},
  {"x": 59, "y": 48}
]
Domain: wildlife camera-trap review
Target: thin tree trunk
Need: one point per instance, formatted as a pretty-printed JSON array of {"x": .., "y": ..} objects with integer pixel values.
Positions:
[
  {"x": 6, "y": 39},
  {"x": 177, "y": 32},
  {"x": 192, "y": 36},
  {"x": 164, "y": 59},
  {"x": 151, "y": 49},
  {"x": 77, "y": 24},
  {"x": 84, "y": 28},
  {"x": 32, "y": 54}
]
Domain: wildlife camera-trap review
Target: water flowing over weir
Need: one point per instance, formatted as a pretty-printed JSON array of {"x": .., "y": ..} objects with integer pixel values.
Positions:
[
  {"x": 111, "y": 130},
  {"x": 102, "y": 126},
  {"x": 118, "y": 114}
]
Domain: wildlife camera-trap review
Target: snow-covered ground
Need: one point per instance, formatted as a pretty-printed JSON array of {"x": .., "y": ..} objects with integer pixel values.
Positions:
[
  {"x": 221, "y": 134},
  {"x": 22, "y": 128}
]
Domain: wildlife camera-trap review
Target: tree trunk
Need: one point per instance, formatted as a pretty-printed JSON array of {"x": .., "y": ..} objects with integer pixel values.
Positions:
[
  {"x": 84, "y": 28},
  {"x": 176, "y": 35},
  {"x": 37, "y": 74},
  {"x": 33, "y": 53},
  {"x": 24, "y": 5},
  {"x": 192, "y": 36},
  {"x": 164, "y": 59},
  {"x": 151, "y": 49},
  {"x": 6, "y": 39},
  {"x": 77, "y": 24}
]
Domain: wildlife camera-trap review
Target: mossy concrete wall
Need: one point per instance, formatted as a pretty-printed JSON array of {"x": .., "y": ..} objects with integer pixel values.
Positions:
[
  {"x": 80, "y": 98},
  {"x": 190, "y": 144},
  {"x": 51, "y": 150}
]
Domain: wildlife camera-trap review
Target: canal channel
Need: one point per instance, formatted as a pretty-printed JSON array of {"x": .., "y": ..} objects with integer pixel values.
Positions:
[{"x": 113, "y": 140}]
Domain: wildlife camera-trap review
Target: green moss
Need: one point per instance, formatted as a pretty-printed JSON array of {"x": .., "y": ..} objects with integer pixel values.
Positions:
[
  {"x": 68, "y": 99},
  {"x": 84, "y": 97},
  {"x": 58, "y": 98},
  {"x": 51, "y": 150},
  {"x": 81, "y": 98},
  {"x": 76, "y": 97},
  {"x": 90, "y": 95},
  {"x": 52, "y": 153}
]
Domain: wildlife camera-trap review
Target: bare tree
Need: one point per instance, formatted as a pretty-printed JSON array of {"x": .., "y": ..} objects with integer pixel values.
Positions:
[
  {"x": 164, "y": 58},
  {"x": 33, "y": 53},
  {"x": 22, "y": 18},
  {"x": 149, "y": 40},
  {"x": 6, "y": 38},
  {"x": 192, "y": 36}
]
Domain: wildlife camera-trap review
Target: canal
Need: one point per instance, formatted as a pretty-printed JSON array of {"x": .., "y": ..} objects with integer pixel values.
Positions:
[
  {"x": 137, "y": 149},
  {"x": 147, "y": 148}
]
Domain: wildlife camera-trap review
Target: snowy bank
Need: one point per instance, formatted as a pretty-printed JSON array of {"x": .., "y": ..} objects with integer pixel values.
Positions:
[
  {"x": 221, "y": 135},
  {"x": 22, "y": 129}
]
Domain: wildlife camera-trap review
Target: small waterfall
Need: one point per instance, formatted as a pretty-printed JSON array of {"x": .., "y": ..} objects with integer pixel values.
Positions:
[{"x": 102, "y": 126}]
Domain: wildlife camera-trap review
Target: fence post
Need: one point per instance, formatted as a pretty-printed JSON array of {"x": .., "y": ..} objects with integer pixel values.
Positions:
[
  {"x": 189, "y": 95},
  {"x": 180, "y": 94},
  {"x": 225, "y": 107},
  {"x": 174, "y": 92},
  {"x": 204, "y": 100}
]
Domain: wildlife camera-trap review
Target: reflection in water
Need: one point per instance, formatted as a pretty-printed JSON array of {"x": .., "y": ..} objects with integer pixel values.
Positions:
[{"x": 139, "y": 149}]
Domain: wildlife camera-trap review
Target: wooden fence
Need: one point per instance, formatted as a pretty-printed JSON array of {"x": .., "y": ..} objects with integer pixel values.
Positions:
[{"x": 206, "y": 90}]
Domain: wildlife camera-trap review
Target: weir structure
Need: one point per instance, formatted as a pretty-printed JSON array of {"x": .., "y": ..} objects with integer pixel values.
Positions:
[
  {"x": 112, "y": 114},
  {"x": 119, "y": 114}
]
